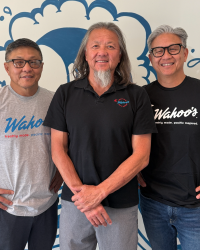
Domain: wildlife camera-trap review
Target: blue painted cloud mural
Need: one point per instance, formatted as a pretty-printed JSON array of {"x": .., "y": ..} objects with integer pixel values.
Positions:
[
  {"x": 58, "y": 27},
  {"x": 65, "y": 41}
]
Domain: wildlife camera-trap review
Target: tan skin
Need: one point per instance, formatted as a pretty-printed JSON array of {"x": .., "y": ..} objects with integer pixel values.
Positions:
[
  {"x": 59, "y": 146},
  {"x": 102, "y": 53},
  {"x": 4, "y": 200},
  {"x": 24, "y": 81},
  {"x": 170, "y": 71},
  {"x": 169, "y": 68},
  {"x": 90, "y": 196}
]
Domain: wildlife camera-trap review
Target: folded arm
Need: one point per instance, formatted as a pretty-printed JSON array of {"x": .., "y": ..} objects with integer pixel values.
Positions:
[
  {"x": 59, "y": 145},
  {"x": 88, "y": 197}
]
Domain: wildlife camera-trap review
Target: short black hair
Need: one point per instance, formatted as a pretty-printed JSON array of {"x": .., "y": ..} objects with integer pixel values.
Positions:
[{"x": 22, "y": 42}]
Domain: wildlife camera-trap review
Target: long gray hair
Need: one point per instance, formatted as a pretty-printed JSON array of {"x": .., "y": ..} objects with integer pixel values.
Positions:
[
  {"x": 168, "y": 29},
  {"x": 122, "y": 73}
]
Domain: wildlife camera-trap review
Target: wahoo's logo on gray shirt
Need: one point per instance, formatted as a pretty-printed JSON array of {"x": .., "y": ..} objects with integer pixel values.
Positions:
[{"x": 22, "y": 124}]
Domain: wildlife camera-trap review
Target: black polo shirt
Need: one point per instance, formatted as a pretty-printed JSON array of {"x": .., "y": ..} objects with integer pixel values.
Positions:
[{"x": 100, "y": 130}]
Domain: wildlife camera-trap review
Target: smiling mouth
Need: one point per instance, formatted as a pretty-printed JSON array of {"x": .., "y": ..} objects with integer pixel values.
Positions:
[
  {"x": 166, "y": 64},
  {"x": 102, "y": 61},
  {"x": 26, "y": 76}
]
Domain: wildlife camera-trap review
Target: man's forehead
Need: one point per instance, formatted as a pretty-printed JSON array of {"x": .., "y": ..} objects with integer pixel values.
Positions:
[
  {"x": 165, "y": 39},
  {"x": 107, "y": 42},
  {"x": 20, "y": 51},
  {"x": 98, "y": 34}
]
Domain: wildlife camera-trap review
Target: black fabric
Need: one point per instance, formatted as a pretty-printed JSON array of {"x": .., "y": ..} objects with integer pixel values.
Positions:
[
  {"x": 174, "y": 169},
  {"x": 100, "y": 131},
  {"x": 39, "y": 231}
]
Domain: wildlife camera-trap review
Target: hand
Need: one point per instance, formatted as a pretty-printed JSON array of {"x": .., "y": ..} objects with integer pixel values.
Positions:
[
  {"x": 98, "y": 216},
  {"x": 197, "y": 190},
  {"x": 141, "y": 180},
  {"x": 87, "y": 197},
  {"x": 4, "y": 200},
  {"x": 56, "y": 181}
]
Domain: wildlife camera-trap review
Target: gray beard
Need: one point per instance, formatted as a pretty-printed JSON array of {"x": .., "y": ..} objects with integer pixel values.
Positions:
[{"x": 103, "y": 78}]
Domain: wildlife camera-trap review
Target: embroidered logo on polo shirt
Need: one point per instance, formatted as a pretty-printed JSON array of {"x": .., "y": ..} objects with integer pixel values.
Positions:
[{"x": 121, "y": 102}]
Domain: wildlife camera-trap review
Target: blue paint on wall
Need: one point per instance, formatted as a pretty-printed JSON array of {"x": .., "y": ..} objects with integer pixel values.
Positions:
[
  {"x": 60, "y": 39},
  {"x": 3, "y": 83},
  {"x": 65, "y": 42},
  {"x": 192, "y": 63}
]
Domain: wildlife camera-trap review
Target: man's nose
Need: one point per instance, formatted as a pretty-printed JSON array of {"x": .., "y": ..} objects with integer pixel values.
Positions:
[
  {"x": 102, "y": 51},
  {"x": 166, "y": 54},
  {"x": 27, "y": 67}
]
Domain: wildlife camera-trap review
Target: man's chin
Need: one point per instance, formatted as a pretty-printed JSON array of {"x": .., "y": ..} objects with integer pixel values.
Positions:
[{"x": 103, "y": 78}]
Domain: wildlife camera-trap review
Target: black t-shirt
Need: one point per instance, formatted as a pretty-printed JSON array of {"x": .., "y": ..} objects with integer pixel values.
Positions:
[
  {"x": 174, "y": 169},
  {"x": 100, "y": 130}
]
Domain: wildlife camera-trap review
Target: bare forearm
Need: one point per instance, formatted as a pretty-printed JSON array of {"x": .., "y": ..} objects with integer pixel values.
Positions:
[
  {"x": 124, "y": 173},
  {"x": 66, "y": 169},
  {"x": 89, "y": 197}
]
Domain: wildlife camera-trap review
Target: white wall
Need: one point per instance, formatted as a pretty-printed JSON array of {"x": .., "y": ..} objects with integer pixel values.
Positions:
[{"x": 59, "y": 29}]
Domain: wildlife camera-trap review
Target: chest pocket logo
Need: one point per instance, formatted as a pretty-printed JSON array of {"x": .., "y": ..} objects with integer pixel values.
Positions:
[{"x": 121, "y": 102}]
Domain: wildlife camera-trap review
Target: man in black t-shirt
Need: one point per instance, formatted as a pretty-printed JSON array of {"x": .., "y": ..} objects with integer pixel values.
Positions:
[
  {"x": 101, "y": 134},
  {"x": 170, "y": 202}
]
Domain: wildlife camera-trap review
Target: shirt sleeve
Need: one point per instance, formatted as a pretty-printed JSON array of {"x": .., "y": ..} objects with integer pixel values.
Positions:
[
  {"x": 144, "y": 118},
  {"x": 55, "y": 117}
]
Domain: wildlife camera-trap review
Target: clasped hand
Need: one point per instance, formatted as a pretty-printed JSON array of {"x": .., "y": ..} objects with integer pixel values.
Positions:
[{"x": 87, "y": 197}]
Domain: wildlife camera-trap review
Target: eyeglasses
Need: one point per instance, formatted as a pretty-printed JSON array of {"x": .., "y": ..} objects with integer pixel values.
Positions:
[
  {"x": 172, "y": 49},
  {"x": 20, "y": 63}
]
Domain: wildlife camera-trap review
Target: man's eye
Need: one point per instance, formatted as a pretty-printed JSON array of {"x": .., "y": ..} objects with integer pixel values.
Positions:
[
  {"x": 173, "y": 49},
  {"x": 33, "y": 62},
  {"x": 19, "y": 62},
  {"x": 158, "y": 51},
  {"x": 110, "y": 47}
]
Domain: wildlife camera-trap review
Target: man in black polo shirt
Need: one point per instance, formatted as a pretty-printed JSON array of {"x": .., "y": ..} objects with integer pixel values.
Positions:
[
  {"x": 170, "y": 202},
  {"x": 101, "y": 135}
]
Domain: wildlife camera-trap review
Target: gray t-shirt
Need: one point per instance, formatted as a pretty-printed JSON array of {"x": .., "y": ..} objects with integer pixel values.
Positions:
[{"x": 26, "y": 166}]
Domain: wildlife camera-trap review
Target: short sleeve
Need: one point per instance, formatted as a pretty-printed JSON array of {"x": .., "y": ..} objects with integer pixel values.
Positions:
[
  {"x": 55, "y": 117},
  {"x": 144, "y": 118}
]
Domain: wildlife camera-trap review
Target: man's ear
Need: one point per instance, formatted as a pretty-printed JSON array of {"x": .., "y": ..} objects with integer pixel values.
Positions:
[
  {"x": 42, "y": 65},
  {"x": 185, "y": 54},
  {"x": 6, "y": 66},
  {"x": 150, "y": 58}
]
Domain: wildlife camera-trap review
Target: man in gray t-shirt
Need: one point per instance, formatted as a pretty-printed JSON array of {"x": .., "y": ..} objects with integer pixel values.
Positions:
[{"x": 29, "y": 181}]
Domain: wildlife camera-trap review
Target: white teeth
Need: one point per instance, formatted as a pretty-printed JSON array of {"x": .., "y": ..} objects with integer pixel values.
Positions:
[
  {"x": 167, "y": 64},
  {"x": 101, "y": 61}
]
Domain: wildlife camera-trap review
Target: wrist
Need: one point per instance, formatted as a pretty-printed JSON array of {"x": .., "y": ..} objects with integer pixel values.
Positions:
[{"x": 103, "y": 190}]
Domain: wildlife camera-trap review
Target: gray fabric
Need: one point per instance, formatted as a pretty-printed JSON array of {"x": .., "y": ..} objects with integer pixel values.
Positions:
[
  {"x": 25, "y": 151},
  {"x": 76, "y": 232}
]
